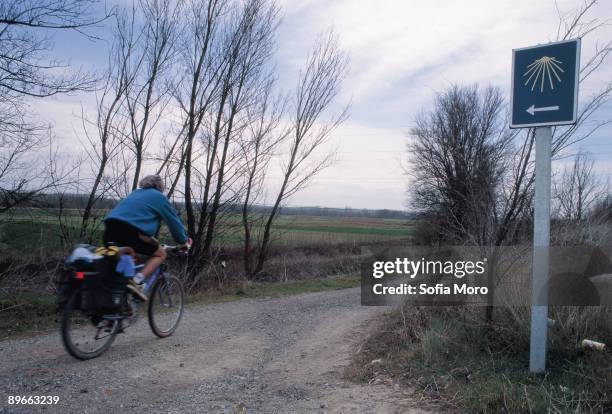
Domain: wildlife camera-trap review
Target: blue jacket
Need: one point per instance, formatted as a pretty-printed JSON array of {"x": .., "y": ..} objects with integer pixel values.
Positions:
[{"x": 144, "y": 209}]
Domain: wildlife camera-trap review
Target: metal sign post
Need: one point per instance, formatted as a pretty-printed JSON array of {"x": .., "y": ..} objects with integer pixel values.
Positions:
[
  {"x": 541, "y": 242},
  {"x": 544, "y": 93}
]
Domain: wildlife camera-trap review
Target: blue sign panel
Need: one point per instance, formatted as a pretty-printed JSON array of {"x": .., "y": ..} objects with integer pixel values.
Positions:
[{"x": 545, "y": 84}]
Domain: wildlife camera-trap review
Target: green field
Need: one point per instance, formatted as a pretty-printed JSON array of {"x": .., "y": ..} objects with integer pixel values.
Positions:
[{"x": 39, "y": 232}]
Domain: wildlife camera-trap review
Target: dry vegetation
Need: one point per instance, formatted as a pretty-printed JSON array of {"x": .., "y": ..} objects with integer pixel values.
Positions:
[{"x": 454, "y": 359}]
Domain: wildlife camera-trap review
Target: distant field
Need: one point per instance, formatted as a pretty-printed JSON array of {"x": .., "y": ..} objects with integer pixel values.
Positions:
[
  {"x": 37, "y": 231},
  {"x": 313, "y": 229}
]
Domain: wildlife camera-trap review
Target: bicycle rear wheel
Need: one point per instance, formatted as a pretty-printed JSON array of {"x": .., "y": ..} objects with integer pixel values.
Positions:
[
  {"x": 165, "y": 305},
  {"x": 84, "y": 336}
]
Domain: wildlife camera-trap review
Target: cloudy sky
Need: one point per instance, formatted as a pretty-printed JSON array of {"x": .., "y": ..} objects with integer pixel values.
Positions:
[{"x": 402, "y": 53}]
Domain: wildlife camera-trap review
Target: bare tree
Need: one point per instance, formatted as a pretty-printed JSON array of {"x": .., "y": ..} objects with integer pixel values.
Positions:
[
  {"x": 149, "y": 96},
  {"x": 580, "y": 24},
  {"x": 578, "y": 189},
  {"x": 602, "y": 210},
  {"x": 457, "y": 163},
  {"x": 27, "y": 167},
  {"x": 265, "y": 134},
  {"x": 106, "y": 133},
  {"x": 194, "y": 94},
  {"x": 580, "y": 197},
  {"x": 225, "y": 52},
  {"x": 25, "y": 74},
  {"x": 318, "y": 86},
  {"x": 24, "y": 70},
  {"x": 250, "y": 47}
]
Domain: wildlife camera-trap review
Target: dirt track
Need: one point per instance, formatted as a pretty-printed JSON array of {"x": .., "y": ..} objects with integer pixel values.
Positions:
[{"x": 253, "y": 356}]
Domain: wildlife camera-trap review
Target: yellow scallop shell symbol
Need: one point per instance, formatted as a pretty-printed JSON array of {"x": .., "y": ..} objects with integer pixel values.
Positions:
[{"x": 542, "y": 72}]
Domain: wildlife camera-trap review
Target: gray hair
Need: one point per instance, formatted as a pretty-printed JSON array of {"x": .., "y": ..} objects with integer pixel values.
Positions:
[{"x": 152, "y": 181}]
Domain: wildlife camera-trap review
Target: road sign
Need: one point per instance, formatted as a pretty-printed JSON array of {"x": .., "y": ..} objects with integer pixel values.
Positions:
[
  {"x": 545, "y": 84},
  {"x": 544, "y": 93}
]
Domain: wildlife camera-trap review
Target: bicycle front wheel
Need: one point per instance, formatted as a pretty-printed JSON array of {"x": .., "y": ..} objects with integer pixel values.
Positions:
[
  {"x": 165, "y": 305},
  {"x": 86, "y": 336}
]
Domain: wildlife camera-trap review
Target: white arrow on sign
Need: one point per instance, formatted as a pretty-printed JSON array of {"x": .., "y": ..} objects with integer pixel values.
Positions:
[{"x": 532, "y": 109}]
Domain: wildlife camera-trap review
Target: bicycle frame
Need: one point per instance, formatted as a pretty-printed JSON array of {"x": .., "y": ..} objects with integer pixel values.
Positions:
[{"x": 150, "y": 281}]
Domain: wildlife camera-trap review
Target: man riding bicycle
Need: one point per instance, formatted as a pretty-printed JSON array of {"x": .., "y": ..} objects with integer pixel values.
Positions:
[{"x": 136, "y": 219}]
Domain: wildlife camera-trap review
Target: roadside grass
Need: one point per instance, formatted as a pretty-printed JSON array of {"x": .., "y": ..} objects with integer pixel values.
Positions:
[
  {"x": 27, "y": 312},
  {"x": 30, "y": 314},
  {"x": 261, "y": 290},
  {"x": 465, "y": 367}
]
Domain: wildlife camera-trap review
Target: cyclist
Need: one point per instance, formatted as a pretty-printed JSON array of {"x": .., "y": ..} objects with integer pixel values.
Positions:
[{"x": 135, "y": 220}]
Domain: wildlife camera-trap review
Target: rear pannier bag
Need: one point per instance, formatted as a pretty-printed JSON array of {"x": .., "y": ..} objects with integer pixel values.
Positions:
[
  {"x": 66, "y": 285},
  {"x": 103, "y": 291},
  {"x": 102, "y": 286}
]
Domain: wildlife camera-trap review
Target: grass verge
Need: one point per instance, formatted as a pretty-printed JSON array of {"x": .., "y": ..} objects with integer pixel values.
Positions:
[
  {"x": 26, "y": 312},
  {"x": 259, "y": 290},
  {"x": 29, "y": 314},
  {"x": 465, "y": 367}
]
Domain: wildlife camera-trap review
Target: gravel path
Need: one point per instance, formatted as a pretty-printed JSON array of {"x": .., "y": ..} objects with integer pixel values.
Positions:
[{"x": 280, "y": 355}]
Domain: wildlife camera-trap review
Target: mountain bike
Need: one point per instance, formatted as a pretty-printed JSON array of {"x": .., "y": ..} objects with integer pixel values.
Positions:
[{"x": 88, "y": 327}]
